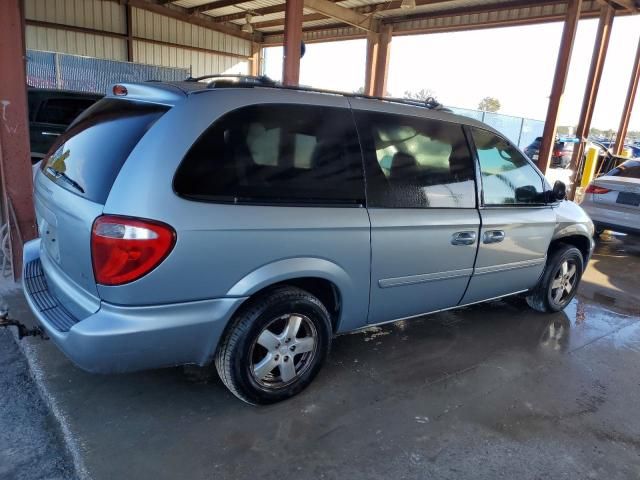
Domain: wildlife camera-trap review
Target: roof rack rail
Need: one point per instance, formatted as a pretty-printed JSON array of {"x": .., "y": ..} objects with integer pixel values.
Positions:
[{"x": 237, "y": 80}]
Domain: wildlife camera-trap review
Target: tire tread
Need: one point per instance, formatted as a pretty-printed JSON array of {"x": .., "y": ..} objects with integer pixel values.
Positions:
[{"x": 240, "y": 326}]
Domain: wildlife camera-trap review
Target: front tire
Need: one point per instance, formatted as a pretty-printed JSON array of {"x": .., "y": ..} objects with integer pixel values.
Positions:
[
  {"x": 274, "y": 346},
  {"x": 559, "y": 281}
]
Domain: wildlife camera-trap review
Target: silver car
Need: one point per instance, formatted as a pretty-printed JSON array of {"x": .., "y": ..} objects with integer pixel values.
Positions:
[
  {"x": 613, "y": 200},
  {"x": 189, "y": 223}
]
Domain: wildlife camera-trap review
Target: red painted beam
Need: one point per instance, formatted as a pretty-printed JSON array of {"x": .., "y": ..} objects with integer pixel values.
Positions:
[
  {"x": 600, "y": 47},
  {"x": 15, "y": 158},
  {"x": 292, "y": 42},
  {"x": 628, "y": 104},
  {"x": 559, "y": 82}
]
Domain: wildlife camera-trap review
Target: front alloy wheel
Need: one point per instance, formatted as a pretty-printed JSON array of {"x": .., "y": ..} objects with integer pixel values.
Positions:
[
  {"x": 559, "y": 281},
  {"x": 564, "y": 283}
]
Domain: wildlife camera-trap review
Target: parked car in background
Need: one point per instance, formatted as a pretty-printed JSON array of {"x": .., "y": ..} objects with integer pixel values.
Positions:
[
  {"x": 560, "y": 156},
  {"x": 50, "y": 113},
  {"x": 184, "y": 223},
  {"x": 613, "y": 200}
]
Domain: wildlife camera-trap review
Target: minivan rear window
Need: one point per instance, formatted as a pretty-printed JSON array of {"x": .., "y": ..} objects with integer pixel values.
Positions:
[{"x": 87, "y": 158}]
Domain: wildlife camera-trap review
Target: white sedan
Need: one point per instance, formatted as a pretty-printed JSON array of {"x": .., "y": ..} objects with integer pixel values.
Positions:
[{"x": 613, "y": 200}]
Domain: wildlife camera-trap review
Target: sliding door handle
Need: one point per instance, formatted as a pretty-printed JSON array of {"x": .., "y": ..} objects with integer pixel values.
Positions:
[
  {"x": 463, "y": 238},
  {"x": 493, "y": 236}
]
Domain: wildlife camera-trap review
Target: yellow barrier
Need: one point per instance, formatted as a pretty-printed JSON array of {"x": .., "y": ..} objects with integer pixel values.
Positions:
[{"x": 589, "y": 166}]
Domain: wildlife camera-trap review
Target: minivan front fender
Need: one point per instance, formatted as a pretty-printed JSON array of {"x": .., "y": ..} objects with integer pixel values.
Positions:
[{"x": 353, "y": 312}]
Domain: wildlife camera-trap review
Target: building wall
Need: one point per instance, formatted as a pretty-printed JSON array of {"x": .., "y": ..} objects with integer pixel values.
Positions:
[{"x": 194, "y": 47}]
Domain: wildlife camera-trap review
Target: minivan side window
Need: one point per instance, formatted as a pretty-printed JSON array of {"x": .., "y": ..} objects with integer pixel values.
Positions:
[
  {"x": 507, "y": 177},
  {"x": 276, "y": 153},
  {"x": 415, "y": 162}
]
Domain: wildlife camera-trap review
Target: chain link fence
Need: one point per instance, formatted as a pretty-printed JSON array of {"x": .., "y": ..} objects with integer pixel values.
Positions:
[
  {"x": 87, "y": 74},
  {"x": 521, "y": 131}
]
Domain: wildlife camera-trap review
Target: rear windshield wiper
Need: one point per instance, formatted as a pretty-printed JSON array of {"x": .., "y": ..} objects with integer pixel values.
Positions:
[{"x": 66, "y": 178}]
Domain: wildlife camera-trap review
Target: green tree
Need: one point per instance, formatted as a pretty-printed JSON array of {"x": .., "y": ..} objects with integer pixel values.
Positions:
[
  {"x": 421, "y": 95},
  {"x": 489, "y": 104}
]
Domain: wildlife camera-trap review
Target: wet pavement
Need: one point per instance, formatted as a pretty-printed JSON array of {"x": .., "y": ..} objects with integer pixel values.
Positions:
[
  {"x": 488, "y": 391},
  {"x": 31, "y": 446}
]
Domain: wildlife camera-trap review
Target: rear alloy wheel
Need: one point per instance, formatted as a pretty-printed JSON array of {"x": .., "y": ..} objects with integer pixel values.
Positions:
[
  {"x": 274, "y": 346},
  {"x": 283, "y": 351},
  {"x": 559, "y": 281}
]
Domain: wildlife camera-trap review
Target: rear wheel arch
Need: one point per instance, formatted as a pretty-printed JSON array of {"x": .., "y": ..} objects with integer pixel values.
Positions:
[
  {"x": 325, "y": 280},
  {"x": 323, "y": 289}
]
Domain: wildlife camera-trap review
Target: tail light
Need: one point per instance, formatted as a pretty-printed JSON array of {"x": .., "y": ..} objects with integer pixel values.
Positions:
[
  {"x": 557, "y": 153},
  {"x": 125, "y": 249},
  {"x": 596, "y": 189}
]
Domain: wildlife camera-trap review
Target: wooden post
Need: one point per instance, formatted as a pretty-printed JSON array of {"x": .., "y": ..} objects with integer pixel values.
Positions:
[
  {"x": 377, "y": 65},
  {"x": 15, "y": 159},
  {"x": 292, "y": 42},
  {"x": 256, "y": 60},
  {"x": 628, "y": 104},
  {"x": 598, "y": 57},
  {"x": 559, "y": 80}
]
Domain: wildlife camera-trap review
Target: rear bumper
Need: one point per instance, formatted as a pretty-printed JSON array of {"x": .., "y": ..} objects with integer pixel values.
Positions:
[
  {"x": 122, "y": 339},
  {"x": 619, "y": 220}
]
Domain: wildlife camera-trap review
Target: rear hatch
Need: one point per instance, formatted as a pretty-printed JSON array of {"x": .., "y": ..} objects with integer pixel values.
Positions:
[{"x": 72, "y": 188}]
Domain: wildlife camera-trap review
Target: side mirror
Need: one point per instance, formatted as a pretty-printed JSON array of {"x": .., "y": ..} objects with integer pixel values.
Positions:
[
  {"x": 526, "y": 194},
  {"x": 559, "y": 191}
]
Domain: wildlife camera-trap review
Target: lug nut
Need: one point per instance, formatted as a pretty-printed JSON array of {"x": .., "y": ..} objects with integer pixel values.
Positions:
[
  {"x": 292, "y": 348},
  {"x": 277, "y": 357},
  {"x": 286, "y": 358}
]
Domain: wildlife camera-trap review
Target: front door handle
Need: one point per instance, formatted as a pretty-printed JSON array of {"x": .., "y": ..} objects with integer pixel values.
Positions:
[
  {"x": 463, "y": 238},
  {"x": 50, "y": 134},
  {"x": 493, "y": 236}
]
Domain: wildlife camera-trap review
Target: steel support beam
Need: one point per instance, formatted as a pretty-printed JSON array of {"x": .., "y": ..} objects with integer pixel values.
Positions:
[
  {"x": 292, "y": 42},
  {"x": 346, "y": 15},
  {"x": 15, "y": 160},
  {"x": 559, "y": 81},
  {"x": 628, "y": 104},
  {"x": 377, "y": 63},
  {"x": 598, "y": 57},
  {"x": 128, "y": 15}
]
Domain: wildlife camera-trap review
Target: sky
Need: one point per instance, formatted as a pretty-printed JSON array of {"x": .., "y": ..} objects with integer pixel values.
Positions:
[{"x": 513, "y": 64}]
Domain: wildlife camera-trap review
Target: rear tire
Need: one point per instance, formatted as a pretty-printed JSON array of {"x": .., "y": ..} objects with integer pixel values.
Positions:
[
  {"x": 274, "y": 346},
  {"x": 560, "y": 280}
]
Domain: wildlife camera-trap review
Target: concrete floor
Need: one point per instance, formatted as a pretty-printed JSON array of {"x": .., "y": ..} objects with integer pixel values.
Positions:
[{"x": 489, "y": 391}]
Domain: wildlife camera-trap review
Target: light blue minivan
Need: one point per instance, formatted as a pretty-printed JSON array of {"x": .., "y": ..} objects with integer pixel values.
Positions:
[{"x": 244, "y": 223}]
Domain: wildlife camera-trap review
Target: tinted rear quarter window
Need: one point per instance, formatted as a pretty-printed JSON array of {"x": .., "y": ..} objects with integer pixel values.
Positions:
[
  {"x": 276, "y": 154},
  {"x": 87, "y": 158}
]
